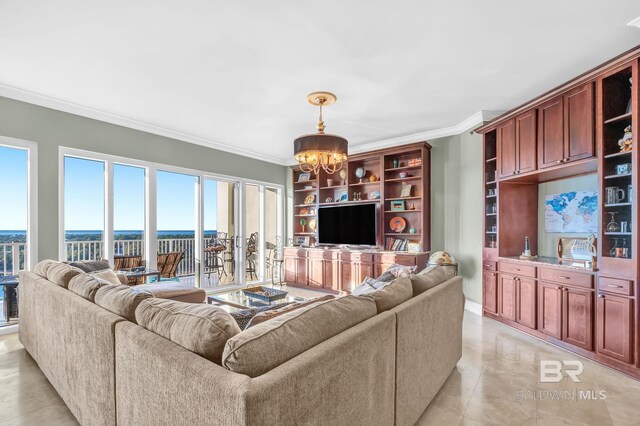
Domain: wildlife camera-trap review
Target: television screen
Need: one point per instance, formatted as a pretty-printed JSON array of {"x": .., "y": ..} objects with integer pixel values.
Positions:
[{"x": 352, "y": 224}]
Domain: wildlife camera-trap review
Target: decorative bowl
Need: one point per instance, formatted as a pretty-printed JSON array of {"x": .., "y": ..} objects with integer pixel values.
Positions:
[
  {"x": 265, "y": 294},
  {"x": 403, "y": 175}
]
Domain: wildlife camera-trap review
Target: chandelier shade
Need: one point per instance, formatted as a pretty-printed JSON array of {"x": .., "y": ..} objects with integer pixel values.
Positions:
[{"x": 320, "y": 150}]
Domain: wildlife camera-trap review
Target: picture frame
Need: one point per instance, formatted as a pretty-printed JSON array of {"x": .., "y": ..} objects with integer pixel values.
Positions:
[
  {"x": 406, "y": 190},
  {"x": 301, "y": 241},
  {"x": 397, "y": 205},
  {"x": 344, "y": 197},
  {"x": 304, "y": 177}
]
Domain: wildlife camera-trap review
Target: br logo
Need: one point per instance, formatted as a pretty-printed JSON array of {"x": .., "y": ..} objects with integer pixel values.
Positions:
[{"x": 551, "y": 370}]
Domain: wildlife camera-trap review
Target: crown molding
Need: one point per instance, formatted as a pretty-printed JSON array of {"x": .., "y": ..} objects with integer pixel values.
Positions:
[
  {"x": 96, "y": 114},
  {"x": 635, "y": 22}
]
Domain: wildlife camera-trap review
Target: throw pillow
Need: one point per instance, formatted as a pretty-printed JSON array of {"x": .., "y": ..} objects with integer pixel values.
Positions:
[
  {"x": 272, "y": 313},
  {"x": 393, "y": 294},
  {"x": 364, "y": 288},
  {"x": 244, "y": 316},
  {"x": 200, "y": 328},
  {"x": 121, "y": 300},
  {"x": 86, "y": 286},
  {"x": 90, "y": 265},
  {"x": 107, "y": 275},
  {"x": 401, "y": 270},
  {"x": 427, "y": 279}
]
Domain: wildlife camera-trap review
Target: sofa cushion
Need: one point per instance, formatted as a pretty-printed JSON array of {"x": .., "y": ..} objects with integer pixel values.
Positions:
[
  {"x": 427, "y": 279},
  {"x": 43, "y": 266},
  {"x": 90, "y": 265},
  {"x": 202, "y": 329},
  {"x": 60, "y": 273},
  {"x": 244, "y": 316},
  {"x": 107, "y": 275},
  {"x": 121, "y": 300},
  {"x": 393, "y": 294},
  {"x": 173, "y": 290},
  {"x": 86, "y": 285},
  {"x": 261, "y": 317},
  {"x": 399, "y": 270},
  {"x": 264, "y": 347}
]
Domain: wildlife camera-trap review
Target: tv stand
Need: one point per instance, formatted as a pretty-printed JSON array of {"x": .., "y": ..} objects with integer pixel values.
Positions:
[{"x": 342, "y": 269}]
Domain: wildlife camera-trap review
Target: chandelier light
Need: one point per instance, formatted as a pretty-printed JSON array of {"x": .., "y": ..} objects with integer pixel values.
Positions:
[{"x": 320, "y": 151}]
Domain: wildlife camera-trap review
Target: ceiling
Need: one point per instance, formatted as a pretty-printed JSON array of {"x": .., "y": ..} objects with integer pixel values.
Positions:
[{"x": 234, "y": 75}]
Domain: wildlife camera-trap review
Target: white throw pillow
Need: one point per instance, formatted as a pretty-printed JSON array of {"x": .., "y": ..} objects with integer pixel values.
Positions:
[{"x": 107, "y": 275}]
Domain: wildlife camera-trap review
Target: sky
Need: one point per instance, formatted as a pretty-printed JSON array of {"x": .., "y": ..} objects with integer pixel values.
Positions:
[{"x": 13, "y": 189}]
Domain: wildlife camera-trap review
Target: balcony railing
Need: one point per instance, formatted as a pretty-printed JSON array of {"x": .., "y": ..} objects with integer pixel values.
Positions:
[{"x": 12, "y": 258}]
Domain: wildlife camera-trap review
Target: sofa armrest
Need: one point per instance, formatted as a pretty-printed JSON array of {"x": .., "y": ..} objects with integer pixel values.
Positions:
[
  {"x": 346, "y": 380},
  {"x": 160, "y": 382}
]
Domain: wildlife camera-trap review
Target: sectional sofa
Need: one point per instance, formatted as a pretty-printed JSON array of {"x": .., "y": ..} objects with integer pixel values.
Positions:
[{"x": 117, "y": 355}]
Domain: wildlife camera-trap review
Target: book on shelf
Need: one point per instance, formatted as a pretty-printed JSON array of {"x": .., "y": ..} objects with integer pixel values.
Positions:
[{"x": 396, "y": 244}]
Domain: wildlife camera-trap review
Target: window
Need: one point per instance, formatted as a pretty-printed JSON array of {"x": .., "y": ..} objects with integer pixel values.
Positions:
[{"x": 128, "y": 210}]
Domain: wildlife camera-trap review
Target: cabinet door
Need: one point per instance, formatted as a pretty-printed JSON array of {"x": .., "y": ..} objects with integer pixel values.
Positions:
[
  {"x": 550, "y": 133},
  {"x": 507, "y": 297},
  {"x": 330, "y": 275},
  {"x": 301, "y": 271},
  {"x": 348, "y": 272},
  {"x": 316, "y": 272},
  {"x": 365, "y": 269},
  {"x": 577, "y": 317},
  {"x": 507, "y": 162},
  {"x": 579, "y": 123},
  {"x": 614, "y": 327},
  {"x": 526, "y": 134},
  {"x": 526, "y": 306},
  {"x": 550, "y": 309},
  {"x": 290, "y": 269},
  {"x": 490, "y": 292}
]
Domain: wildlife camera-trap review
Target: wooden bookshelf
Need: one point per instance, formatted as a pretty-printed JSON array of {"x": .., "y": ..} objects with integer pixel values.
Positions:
[{"x": 381, "y": 185}]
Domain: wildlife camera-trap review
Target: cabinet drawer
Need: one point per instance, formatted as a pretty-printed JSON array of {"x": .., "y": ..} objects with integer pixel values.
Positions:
[
  {"x": 612, "y": 285},
  {"x": 567, "y": 277},
  {"x": 489, "y": 265},
  {"x": 320, "y": 254},
  {"x": 517, "y": 269}
]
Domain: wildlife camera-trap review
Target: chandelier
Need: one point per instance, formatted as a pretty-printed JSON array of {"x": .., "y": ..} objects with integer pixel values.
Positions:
[{"x": 320, "y": 151}]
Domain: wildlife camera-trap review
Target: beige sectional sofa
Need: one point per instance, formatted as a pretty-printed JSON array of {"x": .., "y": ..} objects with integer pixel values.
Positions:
[{"x": 354, "y": 360}]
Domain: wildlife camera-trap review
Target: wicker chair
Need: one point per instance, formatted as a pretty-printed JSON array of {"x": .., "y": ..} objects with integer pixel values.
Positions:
[
  {"x": 168, "y": 263},
  {"x": 123, "y": 263}
]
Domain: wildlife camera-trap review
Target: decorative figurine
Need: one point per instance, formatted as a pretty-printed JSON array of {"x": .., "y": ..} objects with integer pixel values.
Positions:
[
  {"x": 412, "y": 230},
  {"x": 373, "y": 178},
  {"x": 303, "y": 223},
  {"x": 526, "y": 255},
  {"x": 396, "y": 163},
  {"x": 626, "y": 143}
]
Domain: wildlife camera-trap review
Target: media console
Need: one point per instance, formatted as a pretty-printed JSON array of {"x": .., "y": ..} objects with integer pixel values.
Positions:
[{"x": 340, "y": 270}]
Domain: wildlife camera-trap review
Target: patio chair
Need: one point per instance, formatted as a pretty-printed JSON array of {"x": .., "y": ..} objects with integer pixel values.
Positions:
[
  {"x": 168, "y": 263},
  {"x": 213, "y": 261},
  {"x": 122, "y": 263},
  {"x": 252, "y": 255}
]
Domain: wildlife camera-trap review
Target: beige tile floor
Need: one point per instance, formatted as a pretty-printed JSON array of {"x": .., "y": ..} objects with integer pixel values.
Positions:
[{"x": 498, "y": 363}]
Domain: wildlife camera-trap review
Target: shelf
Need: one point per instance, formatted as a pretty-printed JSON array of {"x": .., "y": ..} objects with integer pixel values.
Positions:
[
  {"x": 402, "y": 211},
  {"x": 333, "y": 187},
  {"x": 618, "y": 154},
  {"x": 491, "y": 214},
  {"x": 491, "y": 232},
  {"x": 491, "y": 159},
  {"x": 365, "y": 183},
  {"x": 306, "y": 182},
  {"x": 305, "y": 215},
  {"x": 402, "y": 198},
  {"x": 403, "y": 179},
  {"x": 304, "y": 190},
  {"x": 339, "y": 203},
  {"x": 403, "y": 168},
  {"x": 618, "y": 118},
  {"x": 490, "y": 182},
  {"x": 618, "y": 205},
  {"x": 402, "y": 234},
  {"x": 618, "y": 233},
  {"x": 305, "y": 205},
  {"x": 618, "y": 176},
  {"x": 490, "y": 196},
  {"x": 304, "y": 233}
]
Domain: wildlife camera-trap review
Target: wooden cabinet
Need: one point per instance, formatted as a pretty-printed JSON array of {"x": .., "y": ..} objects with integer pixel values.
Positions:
[
  {"x": 507, "y": 151},
  {"x": 516, "y": 140},
  {"x": 551, "y": 133},
  {"x": 507, "y": 297},
  {"x": 526, "y": 302},
  {"x": 295, "y": 266},
  {"x": 577, "y": 320},
  {"x": 490, "y": 291},
  {"x": 579, "y": 123},
  {"x": 566, "y": 127},
  {"x": 290, "y": 269},
  {"x": 614, "y": 327},
  {"x": 316, "y": 272},
  {"x": 550, "y": 309}
]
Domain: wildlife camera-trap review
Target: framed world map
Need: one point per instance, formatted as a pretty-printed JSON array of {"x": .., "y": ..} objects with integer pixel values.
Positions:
[{"x": 575, "y": 211}]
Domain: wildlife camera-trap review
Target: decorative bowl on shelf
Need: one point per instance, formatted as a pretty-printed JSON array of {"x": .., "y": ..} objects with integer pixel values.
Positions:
[
  {"x": 403, "y": 175},
  {"x": 397, "y": 224},
  {"x": 265, "y": 294}
]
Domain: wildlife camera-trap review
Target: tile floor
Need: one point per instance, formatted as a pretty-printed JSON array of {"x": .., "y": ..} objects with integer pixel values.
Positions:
[{"x": 498, "y": 365}]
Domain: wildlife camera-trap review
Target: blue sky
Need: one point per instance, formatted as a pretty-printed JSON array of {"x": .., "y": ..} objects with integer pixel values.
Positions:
[{"x": 13, "y": 181}]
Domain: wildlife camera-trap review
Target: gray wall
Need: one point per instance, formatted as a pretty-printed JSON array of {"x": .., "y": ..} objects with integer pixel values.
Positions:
[
  {"x": 547, "y": 241},
  {"x": 52, "y": 129},
  {"x": 456, "y": 205}
]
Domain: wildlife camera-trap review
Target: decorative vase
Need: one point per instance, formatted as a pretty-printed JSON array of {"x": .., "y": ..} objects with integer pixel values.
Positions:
[
  {"x": 412, "y": 230},
  {"x": 329, "y": 182},
  {"x": 373, "y": 178},
  {"x": 396, "y": 163}
]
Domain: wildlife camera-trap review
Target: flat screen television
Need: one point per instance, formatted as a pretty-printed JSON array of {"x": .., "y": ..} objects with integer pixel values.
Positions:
[{"x": 353, "y": 224}]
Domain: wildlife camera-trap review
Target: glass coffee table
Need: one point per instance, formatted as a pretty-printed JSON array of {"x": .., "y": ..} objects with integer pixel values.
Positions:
[{"x": 237, "y": 299}]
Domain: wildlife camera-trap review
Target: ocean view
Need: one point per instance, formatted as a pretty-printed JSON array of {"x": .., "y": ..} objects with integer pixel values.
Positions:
[{"x": 16, "y": 236}]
